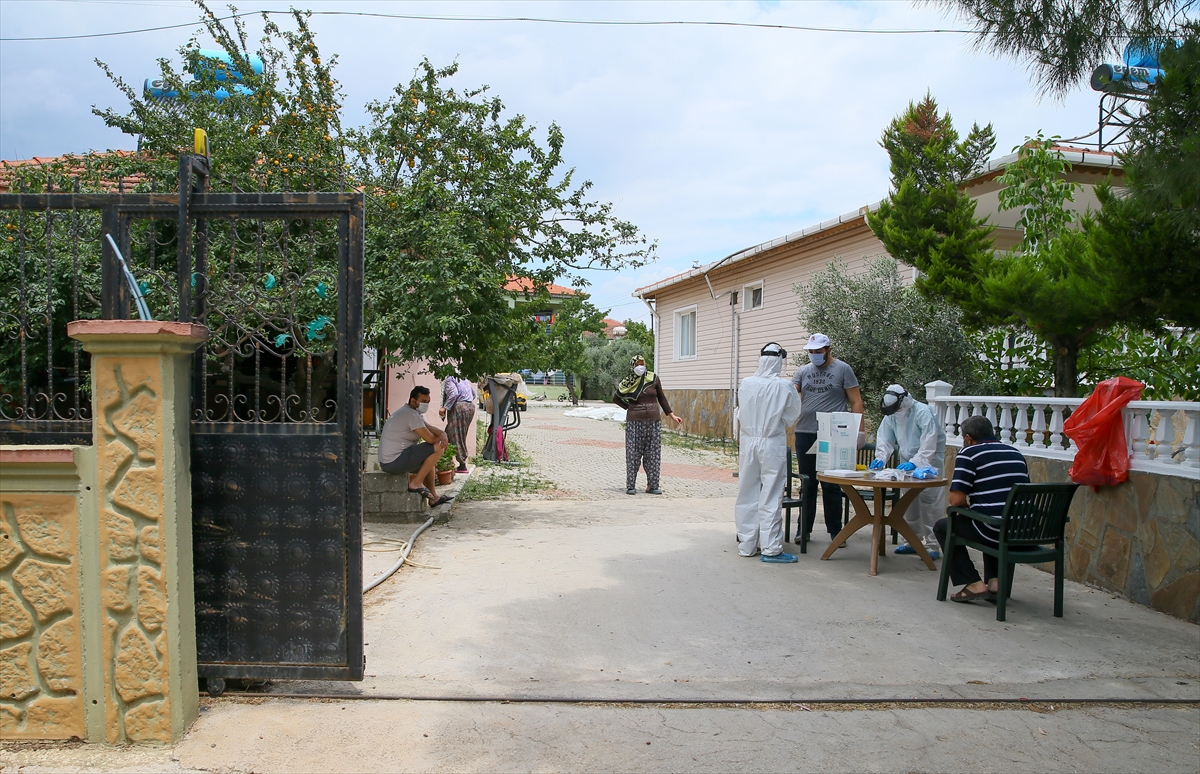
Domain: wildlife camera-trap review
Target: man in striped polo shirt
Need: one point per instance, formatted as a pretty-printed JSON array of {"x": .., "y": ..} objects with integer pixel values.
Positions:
[{"x": 984, "y": 472}]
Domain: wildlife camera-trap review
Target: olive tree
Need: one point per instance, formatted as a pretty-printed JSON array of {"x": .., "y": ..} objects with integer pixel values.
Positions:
[{"x": 887, "y": 331}]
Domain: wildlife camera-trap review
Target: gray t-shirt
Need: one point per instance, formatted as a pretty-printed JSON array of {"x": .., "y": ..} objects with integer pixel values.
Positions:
[
  {"x": 822, "y": 389},
  {"x": 399, "y": 433}
]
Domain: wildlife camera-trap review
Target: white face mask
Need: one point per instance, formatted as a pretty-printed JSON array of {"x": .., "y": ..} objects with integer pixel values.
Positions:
[
  {"x": 817, "y": 358},
  {"x": 639, "y": 370},
  {"x": 422, "y": 408}
]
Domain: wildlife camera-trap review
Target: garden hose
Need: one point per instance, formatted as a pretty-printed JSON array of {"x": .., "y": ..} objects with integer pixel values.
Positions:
[{"x": 403, "y": 557}]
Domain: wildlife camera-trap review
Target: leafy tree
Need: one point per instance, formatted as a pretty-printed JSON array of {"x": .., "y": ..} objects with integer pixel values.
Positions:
[
  {"x": 286, "y": 135},
  {"x": 609, "y": 364},
  {"x": 461, "y": 196},
  {"x": 928, "y": 222},
  {"x": 1150, "y": 233},
  {"x": 1167, "y": 362},
  {"x": 463, "y": 199},
  {"x": 887, "y": 331},
  {"x": 565, "y": 346},
  {"x": 640, "y": 333},
  {"x": 1054, "y": 285},
  {"x": 1061, "y": 41}
]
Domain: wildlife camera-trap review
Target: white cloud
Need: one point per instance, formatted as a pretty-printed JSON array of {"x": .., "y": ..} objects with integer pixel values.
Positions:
[{"x": 710, "y": 139}]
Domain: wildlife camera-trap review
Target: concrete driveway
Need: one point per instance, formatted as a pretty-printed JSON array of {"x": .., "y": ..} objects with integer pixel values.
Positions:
[{"x": 593, "y": 598}]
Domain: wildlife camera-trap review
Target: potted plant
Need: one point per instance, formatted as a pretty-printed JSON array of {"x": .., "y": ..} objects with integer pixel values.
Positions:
[{"x": 446, "y": 465}]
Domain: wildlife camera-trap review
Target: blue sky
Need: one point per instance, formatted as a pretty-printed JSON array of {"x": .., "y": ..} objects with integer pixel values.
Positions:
[{"x": 708, "y": 138}]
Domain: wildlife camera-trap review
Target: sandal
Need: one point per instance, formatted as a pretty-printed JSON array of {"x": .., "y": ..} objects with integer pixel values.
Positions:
[
  {"x": 422, "y": 491},
  {"x": 440, "y": 501},
  {"x": 966, "y": 595}
]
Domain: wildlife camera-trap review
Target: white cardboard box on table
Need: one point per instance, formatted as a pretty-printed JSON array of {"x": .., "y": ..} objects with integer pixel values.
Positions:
[{"x": 837, "y": 440}]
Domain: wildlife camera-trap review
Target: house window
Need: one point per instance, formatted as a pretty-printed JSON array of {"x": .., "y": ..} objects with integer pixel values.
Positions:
[
  {"x": 752, "y": 297},
  {"x": 685, "y": 333}
]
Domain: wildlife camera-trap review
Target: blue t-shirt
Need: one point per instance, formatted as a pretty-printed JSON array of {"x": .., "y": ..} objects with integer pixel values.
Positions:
[{"x": 985, "y": 472}]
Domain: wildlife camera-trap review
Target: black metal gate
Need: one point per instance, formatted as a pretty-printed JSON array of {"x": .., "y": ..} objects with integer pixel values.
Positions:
[{"x": 276, "y": 398}]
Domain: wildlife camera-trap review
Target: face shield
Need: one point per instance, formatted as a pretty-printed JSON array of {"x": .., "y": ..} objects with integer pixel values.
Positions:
[
  {"x": 893, "y": 400},
  {"x": 770, "y": 360}
]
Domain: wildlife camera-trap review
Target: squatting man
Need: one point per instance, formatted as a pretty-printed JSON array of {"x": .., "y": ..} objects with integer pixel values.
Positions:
[{"x": 767, "y": 407}]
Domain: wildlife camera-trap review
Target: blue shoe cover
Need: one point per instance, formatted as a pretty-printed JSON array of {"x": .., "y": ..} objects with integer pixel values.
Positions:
[
  {"x": 779, "y": 559},
  {"x": 904, "y": 549},
  {"x": 935, "y": 555}
]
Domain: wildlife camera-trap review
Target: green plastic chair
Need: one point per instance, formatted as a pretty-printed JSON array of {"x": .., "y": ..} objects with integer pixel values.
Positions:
[{"x": 1035, "y": 516}]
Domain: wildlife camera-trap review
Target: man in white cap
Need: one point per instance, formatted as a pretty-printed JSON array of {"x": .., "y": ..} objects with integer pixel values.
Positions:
[
  {"x": 912, "y": 429},
  {"x": 825, "y": 384},
  {"x": 767, "y": 406}
]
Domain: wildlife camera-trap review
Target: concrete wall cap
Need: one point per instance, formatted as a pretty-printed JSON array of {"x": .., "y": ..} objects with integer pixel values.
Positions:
[
  {"x": 37, "y": 455},
  {"x": 80, "y": 328}
]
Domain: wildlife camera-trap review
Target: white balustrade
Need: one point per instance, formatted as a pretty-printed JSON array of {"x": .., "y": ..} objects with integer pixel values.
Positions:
[
  {"x": 1056, "y": 427},
  {"x": 1138, "y": 430},
  {"x": 1163, "y": 436},
  {"x": 1021, "y": 425},
  {"x": 1006, "y": 424},
  {"x": 1191, "y": 442},
  {"x": 990, "y": 413},
  {"x": 1039, "y": 425}
]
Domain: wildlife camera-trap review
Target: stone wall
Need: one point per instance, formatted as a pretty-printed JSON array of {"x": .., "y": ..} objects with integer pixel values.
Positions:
[
  {"x": 41, "y": 622},
  {"x": 1140, "y": 539},
  {"x": 133, "y": 585},
  {"x": 704, "y": 412},
  {"x": 97, "y": 616},
  {"x": 386, "y": 499}
]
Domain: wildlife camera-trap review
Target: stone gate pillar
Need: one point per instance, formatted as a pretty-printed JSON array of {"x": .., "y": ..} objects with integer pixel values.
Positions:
[{"x": 147, "y": 621}]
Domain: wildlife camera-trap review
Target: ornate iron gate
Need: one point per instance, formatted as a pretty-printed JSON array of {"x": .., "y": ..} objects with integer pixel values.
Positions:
[{"x": 276, "y": 398}]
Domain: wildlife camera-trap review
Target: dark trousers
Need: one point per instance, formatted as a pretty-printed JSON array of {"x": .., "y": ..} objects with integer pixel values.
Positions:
[
  {"x": 962, "y": 569},
  {"x": 831, "y": 494}
]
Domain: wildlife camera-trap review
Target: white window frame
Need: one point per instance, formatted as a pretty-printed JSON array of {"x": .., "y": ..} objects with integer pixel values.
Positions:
[
  {"x": 748, "y": 295},
  {"x": 678, "y": 348}
]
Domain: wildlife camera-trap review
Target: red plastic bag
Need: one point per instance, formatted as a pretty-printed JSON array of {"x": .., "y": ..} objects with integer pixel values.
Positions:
[{"x": 1097, "y": 429}]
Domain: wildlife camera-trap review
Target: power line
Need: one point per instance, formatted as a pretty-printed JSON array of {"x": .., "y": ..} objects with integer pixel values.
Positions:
[{"x": 526, "y": 19}]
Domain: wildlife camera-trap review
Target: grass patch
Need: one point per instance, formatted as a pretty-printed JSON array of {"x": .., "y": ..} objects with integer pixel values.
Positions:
[
  {"x": 502, "y": 481},
  {"x": 684, "y": 441},
  {"x": 516, "y": 454},
  {"x": 497, "y": 482}
]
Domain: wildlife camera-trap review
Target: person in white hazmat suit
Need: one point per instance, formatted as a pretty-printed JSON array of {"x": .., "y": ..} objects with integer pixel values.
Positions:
[
  {"x": 767, "y": 407},
  {"x": 912, "y": 429}
]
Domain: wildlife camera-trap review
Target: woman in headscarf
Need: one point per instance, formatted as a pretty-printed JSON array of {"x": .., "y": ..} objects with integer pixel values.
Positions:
[{"x": 641, "y": 395}]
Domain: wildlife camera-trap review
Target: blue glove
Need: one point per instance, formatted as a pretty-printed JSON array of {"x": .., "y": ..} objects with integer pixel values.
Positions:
[
  {"x": 876, "y": 465},
  {"x": 926, "y": 472},
  {"x": 906, "y": 466}
]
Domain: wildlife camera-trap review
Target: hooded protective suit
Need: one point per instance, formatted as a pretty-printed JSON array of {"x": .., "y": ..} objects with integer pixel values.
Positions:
[
  {"x": 767, "y": 406},
  {"x": 915, "y": 433}
]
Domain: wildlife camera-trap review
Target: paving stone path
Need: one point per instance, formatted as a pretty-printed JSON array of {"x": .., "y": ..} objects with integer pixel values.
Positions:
[{"x": 585, "y": 458}]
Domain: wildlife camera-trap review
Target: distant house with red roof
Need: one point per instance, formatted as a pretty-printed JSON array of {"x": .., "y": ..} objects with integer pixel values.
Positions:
[{"x": 72, "y": 164}]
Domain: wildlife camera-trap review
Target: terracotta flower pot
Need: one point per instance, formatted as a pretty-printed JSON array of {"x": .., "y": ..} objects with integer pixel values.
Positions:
[{"x": 445, "y": 476}]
